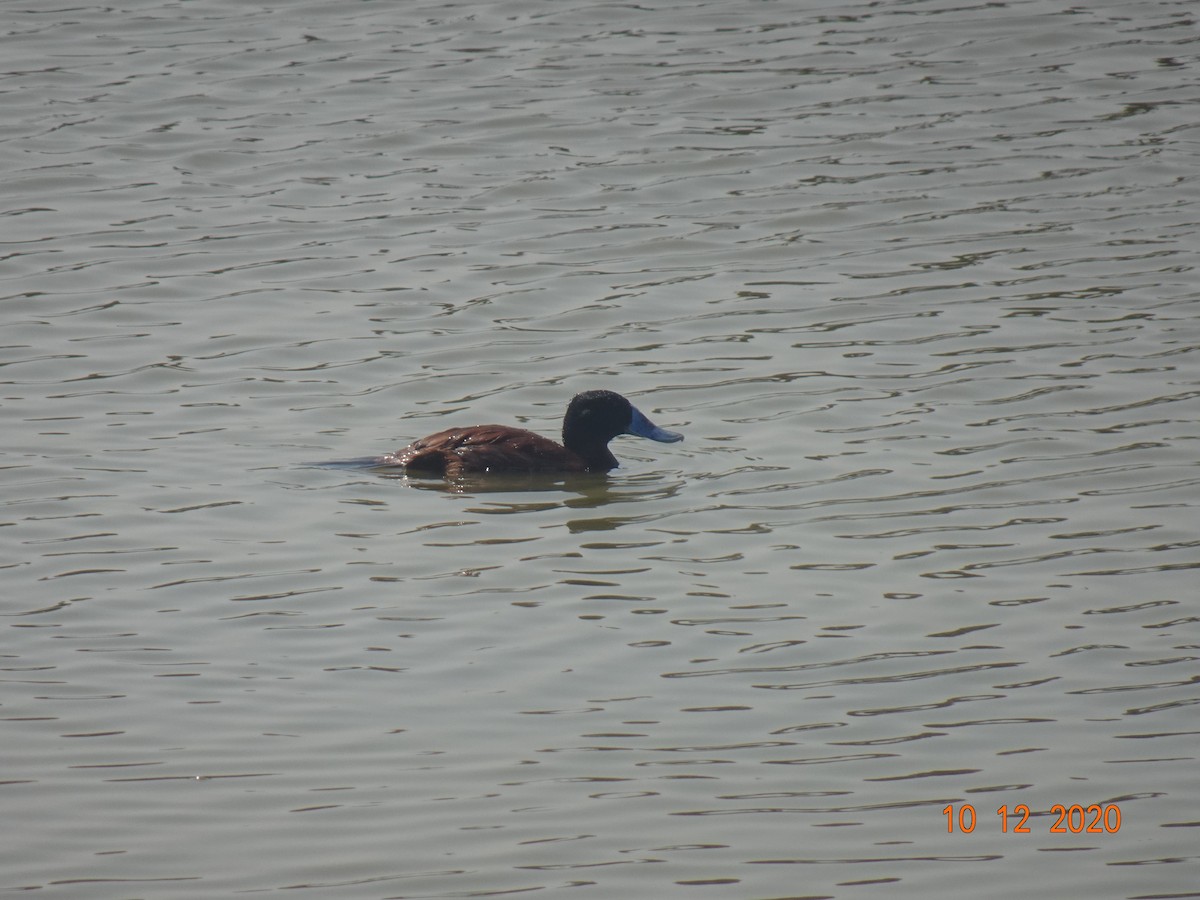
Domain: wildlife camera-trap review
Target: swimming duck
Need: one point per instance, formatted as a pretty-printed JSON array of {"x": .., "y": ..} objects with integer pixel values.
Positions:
[{"x": 593, "y": 418}]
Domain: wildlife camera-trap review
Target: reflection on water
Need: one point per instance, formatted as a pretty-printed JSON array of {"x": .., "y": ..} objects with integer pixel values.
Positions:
[{"x": 916, "y": 280}]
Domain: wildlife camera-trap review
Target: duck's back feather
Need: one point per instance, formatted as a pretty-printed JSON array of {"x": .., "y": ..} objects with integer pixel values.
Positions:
[{"x": 485, "y": 448}]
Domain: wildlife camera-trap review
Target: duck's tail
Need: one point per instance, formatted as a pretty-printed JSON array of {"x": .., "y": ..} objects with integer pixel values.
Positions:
[{"x": 361, "y": 462}]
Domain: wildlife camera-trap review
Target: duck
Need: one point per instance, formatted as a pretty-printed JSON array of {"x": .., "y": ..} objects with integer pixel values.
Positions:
[{"x": 593, "y": 418}]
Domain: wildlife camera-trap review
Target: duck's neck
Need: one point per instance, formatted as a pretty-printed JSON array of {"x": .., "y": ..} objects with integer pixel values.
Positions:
[
  {"x": 597, "y": 456},
  {"x": 600, "y": 460}
]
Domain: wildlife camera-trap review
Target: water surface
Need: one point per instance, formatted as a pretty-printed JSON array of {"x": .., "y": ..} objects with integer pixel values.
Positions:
[{"x": 916, "y": 280}]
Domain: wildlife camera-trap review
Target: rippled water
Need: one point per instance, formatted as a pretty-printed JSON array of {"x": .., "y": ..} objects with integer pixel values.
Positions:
[{"x": 917, "y": 281}]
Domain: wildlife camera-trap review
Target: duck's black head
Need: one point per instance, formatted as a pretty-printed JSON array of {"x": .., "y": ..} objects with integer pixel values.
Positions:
[{"x": 596, "y": 417}]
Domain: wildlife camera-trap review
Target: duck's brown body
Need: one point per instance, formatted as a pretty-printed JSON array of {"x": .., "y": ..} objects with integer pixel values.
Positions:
[{"x": 487, "y": 448}]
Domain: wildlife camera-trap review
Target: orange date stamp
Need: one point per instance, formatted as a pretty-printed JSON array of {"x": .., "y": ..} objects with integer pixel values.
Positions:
[{"x": 1074, "y": 819}]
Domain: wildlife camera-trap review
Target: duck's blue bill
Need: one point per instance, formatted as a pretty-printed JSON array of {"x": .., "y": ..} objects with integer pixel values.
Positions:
[{"x": 642, "y": 427}]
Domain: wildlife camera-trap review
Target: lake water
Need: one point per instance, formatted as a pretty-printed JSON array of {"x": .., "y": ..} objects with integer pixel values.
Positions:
[{"x": 917, "y": 280}]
